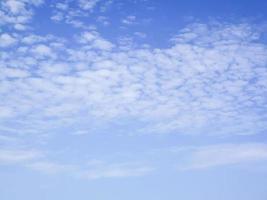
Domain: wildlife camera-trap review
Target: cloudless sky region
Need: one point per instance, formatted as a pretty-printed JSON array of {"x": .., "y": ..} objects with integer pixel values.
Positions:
[{"x": 133, "y": 100}]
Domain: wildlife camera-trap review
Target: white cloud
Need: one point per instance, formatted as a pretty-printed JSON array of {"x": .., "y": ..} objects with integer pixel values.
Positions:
[
  {"x": 31, "y": 39},
  {"x": 165, "y": 88},
  {"x": 42, "y": 50},
  {"x": 7, "y": 40},
  {"x": 57, "y": 17},
  {"x": 89, "y": 36},
  {"x": 102, "y": 44},
  {"x": 6, "y": 112},
  {"x": 95, "y": 170},
  {"x": 88, "y": 4},
  {"x": 18, "y": 156},
  {"x": 131, "y": 19},
  {"x": 36, "y": 2},
  {"x": 14, "y": 73},
  {"x": 224, "y": 154},
  {"x": 103, "y": 20},
  {"x": 140, "y": 34},
  {"x": 96, "y": 41},
  {"x": 210, "y": 81},
  {"x": 15, "y": 6},
  {"x": 51, "y": 167},
  {"x": 17, "y": 13},
  {"x": 121, "y": 170},
  {"x": 62, "y": 6},
  {"x": 106, "y": 5},
  {"x": 76, "y": 13},
  {"x": 92, "y": 170},
  {"x": 81, "y": 132},
  {"x": 20, "y": 27}
]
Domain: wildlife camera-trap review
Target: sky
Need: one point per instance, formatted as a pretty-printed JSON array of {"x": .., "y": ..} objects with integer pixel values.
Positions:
[{"x": 133, "y": 99}]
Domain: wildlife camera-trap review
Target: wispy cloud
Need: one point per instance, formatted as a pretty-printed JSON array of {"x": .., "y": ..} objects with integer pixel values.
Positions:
[
  {"x": 10, "y": 156},
  {"x": 117, "y": 170},
  {"x": 131, "y": 19},
  {"x": 49, "y": 167},
  {"x": 222, "y": 155},
  {"x": 33, "y": 160}
]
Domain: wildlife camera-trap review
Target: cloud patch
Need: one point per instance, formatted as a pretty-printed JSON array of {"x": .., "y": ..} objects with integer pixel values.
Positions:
[
  {"x": 223, "y": 154},
  {"x": 214, "y": 85}
]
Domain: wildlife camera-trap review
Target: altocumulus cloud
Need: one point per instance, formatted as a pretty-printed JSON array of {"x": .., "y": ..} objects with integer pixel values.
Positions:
[{"x": 217, "y": 81}]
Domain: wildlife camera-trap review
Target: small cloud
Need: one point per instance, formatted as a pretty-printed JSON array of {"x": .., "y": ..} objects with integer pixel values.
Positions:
[
  {"x": 140, "y": 34},
  {"x": 120, "y": 170},
  {"x": 88, "y": 4},
  {"x": 7, "y": 40},
  {"x": 94, "y": 40},
  {"x": 20, "y": 27},
  {"x": 103, "y": 20},
  {"x": 62, "y": 6},
  {"x": 57, "y": 17},
  {"x": 80, "y": 132},
  {"x": 51, "y": 167},
  {"x": 42, "y": 50},
  {"x": 224, "y": 154},
  {"x": 18, "y": 156},
  {"x": 131, "y": 19}
]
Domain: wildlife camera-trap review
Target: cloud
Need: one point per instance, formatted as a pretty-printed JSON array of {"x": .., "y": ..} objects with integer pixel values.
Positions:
[
  {"x": 103, "y": 20},
  {"x": 216, "y": 82},
  {"x": 98, "y": 170},
  {"x": 81, "y": 132},
  {"x": 116, "y": 171},
  {"x": 6, "y": 112},
  {"x": 42, "y": 50},
  {"x": 62, "y": 6},
  {"x": 15, "y": 6},
  {"x": 95, "y": 41},
  {"x": 211, "y": 80},
  {"x": 18, "y": 156},
  {"x": 88, "y": 4},
  {"x": 140, "y": 34},
  {"x": 223, "y": 154},
  {"x": 49, "y": 167},
  {"x": 32, "y": 39},
  {"x": 36, "y": 161},
  {"x": 14, "y": 73},
  {"x": 6, "y": 40},
  {"x": 106, "y": 5},
  {"x": 17, "y": 13},
  {"x": 75, "y": 13},
  {"x": 131, "y": 19}
]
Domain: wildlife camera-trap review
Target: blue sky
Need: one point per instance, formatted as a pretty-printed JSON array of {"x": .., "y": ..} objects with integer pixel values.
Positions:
[{"x": 135, "y": 99}]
